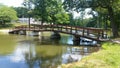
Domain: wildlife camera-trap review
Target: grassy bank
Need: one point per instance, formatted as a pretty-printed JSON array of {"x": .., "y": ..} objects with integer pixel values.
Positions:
[
  {"x": 11, "y": 25},
  {"x": 108, "y": 57}
]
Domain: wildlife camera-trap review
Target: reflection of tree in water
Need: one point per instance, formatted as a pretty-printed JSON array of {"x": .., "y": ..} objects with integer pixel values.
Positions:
[
  {"x": 46, "y": 58},
  {"x": 45, "y": 40},
  {"x": 43, "y": 59},
  {"x": 50, "y": 56},
  {"x": 42, "y": 62},
  {"x": 51, "y": 63},
  {"x": 30, "y": 60}
]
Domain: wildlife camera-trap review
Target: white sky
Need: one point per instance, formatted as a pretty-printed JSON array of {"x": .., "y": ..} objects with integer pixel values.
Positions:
[
  {"x": 14, "y": 3},
  {"x": 17, "y": 3},
  {"x": 77, "y": 15}
]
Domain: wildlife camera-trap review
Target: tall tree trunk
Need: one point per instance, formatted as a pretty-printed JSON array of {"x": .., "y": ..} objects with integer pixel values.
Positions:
[
  {"x": 29, "y": 22},
  {"x": 41, "y": 23},
  {"x": 113, "y": 22}
]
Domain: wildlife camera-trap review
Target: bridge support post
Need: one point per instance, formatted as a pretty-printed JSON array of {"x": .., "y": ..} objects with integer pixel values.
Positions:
[
  {"x": 55, "y": 35},
  {"x": 32, "y": 33},
  {"x": 76, "y": 40},
  {"x": 22, "y": 32},
  {"x": 16, "y": 32},
  {"x": 35, "y": 33}
]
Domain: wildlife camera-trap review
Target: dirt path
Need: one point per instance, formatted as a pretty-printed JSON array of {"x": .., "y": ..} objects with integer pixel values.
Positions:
[{"x": 117, "y": 40}]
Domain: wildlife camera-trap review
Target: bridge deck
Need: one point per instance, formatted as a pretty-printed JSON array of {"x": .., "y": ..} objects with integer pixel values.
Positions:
[{"x": 97, "y": 34}]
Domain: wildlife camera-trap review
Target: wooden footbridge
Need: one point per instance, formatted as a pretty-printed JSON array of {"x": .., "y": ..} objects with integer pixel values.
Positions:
[{"x": 96, "y": 34}]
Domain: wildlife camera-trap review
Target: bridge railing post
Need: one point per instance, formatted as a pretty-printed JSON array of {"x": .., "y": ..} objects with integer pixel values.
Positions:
[
  {"x": 34, "y": 27},
  {"x": 98, "y": 35},
  {"x": 57, "y": 27},
  {"x": 102, "y": 34},
  {"x": 71, "y": 29},
  {"x": 61, "y": 27},
  {"x": 83, "y": 32},
  {"x": 66, "y": 28},
  {"x": 88, "y": 32},
  {"x": 52, "y": 27},
  {"x": 105, "y": 35},
  {"x": 76, "y": 29}
]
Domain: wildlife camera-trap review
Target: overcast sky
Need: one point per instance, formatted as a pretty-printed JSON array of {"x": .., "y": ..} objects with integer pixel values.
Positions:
[
  {"x": 14, "y": 3},
  {"x": 17, "y": 3}
]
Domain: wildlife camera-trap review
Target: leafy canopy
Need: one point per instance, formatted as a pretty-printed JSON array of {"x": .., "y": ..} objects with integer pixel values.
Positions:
[
  {"x": 21, "y": 12},
  {"x": 7, "y": 14},
  {"x": 49, "y": 11}
]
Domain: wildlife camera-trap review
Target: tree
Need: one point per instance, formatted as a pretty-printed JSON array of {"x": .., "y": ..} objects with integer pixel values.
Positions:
[
  {"x": 21, "y": 12},
  {"x": 40, "y": 11},
  {"x": 109, "y": 5},
  {"x": 62, "y": 18},
  {"x": 7, "y": 14},
  {"x": 49, "y": 11}
]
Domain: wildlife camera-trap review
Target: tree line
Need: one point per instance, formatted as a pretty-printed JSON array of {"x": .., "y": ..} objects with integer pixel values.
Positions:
[
  {"x": 105, "y": 13},
  {"x": 7, "y": 14},
  {"x": 109, "y": 10},
  {"x": 59, "y": 11}
]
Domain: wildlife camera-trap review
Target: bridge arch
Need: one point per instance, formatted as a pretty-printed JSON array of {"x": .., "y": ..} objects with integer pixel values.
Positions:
[{"x": 96, "y": 34}]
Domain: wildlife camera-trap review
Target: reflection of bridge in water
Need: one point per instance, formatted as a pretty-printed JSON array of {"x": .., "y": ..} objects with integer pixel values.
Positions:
[
  {"x": 96, "y": 34},
  {"x": 50, "y": 56}
]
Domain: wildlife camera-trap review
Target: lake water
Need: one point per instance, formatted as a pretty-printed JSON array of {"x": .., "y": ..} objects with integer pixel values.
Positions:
[{"x": 18, "y": 51}]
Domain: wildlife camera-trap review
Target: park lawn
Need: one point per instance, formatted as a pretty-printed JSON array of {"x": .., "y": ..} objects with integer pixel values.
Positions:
[
  {"x": 107, "y": 57},
  {"x": 11, "y": 25},
  {"x": 19, "y": 24}
]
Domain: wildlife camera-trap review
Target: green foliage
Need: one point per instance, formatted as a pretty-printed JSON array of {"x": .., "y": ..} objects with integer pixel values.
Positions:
[
  {"x": 7, "y": 14},
  {"x": 62, "y": 18},
  {"x": 50, "y": 11},
  {"x": 21, "y": 12},
  {"x": 91, "y": 23},
  {"x": 107, "y": 10}
]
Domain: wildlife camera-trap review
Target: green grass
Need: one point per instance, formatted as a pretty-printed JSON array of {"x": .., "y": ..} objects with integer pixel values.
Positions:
[
  {"x": 11, "y": 25},
  {"x": 108, "y": 57},
  {"x": 19, "y": 24}
]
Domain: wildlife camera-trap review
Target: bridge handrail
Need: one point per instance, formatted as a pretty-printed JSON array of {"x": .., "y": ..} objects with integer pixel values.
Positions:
[
  {"x": 54, "y": 25},
  {"x": 64, "y": 28}
]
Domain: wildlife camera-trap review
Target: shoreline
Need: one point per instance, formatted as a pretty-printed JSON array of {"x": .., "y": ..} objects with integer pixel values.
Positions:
[{"x": 4, "y": 31}]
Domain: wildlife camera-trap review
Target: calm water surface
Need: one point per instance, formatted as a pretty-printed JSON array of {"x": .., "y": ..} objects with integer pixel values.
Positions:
[{"x": 39, "y": 52}]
